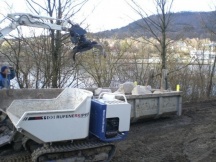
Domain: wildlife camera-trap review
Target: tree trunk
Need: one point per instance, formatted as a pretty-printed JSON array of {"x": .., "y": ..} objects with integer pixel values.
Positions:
[
  {"x": 210, "y": 79},
  {"x": 164, "y": 79}
]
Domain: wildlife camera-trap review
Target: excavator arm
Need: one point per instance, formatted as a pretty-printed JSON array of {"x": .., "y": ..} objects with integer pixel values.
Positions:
[
  {"x": 5, "y": 31},
  {"x": 77, "y": 33},
  {"x": 23, "y": 19}
]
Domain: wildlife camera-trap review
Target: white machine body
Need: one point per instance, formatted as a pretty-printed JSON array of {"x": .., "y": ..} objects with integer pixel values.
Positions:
[
  {"x": 120, "y": 109},
  {"x": 110, "y": 117},
  {"x": 49, "y": 120}
]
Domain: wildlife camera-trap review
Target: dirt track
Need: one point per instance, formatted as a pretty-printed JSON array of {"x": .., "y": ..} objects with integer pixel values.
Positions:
[{"x": 191, "y": 137}]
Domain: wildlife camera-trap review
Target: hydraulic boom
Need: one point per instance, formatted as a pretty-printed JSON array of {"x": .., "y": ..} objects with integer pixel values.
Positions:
[{"x": 76, "y": 32}]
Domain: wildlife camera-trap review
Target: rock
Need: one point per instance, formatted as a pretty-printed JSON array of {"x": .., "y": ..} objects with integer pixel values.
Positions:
[
  {"x": 125, "y": 88},
  {"x": 141, "y": 90},
  {"x": 98, "y": 91},
  {"x": 158, "y": 91}
]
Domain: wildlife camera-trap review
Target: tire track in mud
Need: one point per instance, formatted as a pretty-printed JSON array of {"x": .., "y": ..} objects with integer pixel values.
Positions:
[{"x": 191, "y": 137}]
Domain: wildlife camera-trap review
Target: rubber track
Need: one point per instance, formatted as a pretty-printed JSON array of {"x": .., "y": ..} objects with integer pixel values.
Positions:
[
  {"x": 17, "y": 157},
  {"x": 71, "y": 147}
]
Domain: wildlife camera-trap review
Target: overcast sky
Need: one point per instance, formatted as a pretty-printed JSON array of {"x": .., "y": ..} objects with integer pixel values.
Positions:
[{"x": 111, "y": 14}]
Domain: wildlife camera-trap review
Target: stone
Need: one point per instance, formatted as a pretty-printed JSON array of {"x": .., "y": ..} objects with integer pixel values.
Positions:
[
  {"x": 141, "y": 90},
  {"x": 125, "y": 88},
  {"x": 98, "y": 91}
]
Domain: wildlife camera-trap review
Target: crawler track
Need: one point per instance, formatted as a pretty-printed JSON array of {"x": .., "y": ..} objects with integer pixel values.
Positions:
[
  {"x": 84, "y": 151},
  {"x": 189, "y": 138},
  {"x": 15, "y": 157}
]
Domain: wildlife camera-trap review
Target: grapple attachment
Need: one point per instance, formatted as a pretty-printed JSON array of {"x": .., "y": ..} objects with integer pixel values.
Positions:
[{"x": 81, "y": 43}]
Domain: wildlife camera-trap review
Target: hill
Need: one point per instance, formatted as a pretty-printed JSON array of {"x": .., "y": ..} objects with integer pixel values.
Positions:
[{"x": 183, "y": 25}]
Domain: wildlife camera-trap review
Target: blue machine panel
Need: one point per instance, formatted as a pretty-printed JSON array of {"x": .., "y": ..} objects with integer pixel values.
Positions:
[
  {"x": 97, "y": 118},
  {"x": 99, "y": 124}
]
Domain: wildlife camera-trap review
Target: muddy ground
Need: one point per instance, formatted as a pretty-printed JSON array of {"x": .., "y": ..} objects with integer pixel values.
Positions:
[
  {"x": 191, "y": 137},
  {"x": 188, "y": 138}
]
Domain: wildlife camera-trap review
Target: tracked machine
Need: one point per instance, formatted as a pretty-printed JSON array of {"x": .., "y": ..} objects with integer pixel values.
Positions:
[
  {"x": 69, "y": 127},
  {"x": 59, "y": 125}
]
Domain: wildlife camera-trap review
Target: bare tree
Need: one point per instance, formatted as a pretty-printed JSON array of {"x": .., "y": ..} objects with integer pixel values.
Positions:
[
  {"x": 102, "y": 70},
  {"x": 136, "y": 63},
  {"x": 156, "y": 26},
  {"x": 38, "y": 48},
  {"x": 13, "y": 52},
  {"x": 60, "y": 9},
  {"x": 209, "y": 23}
]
